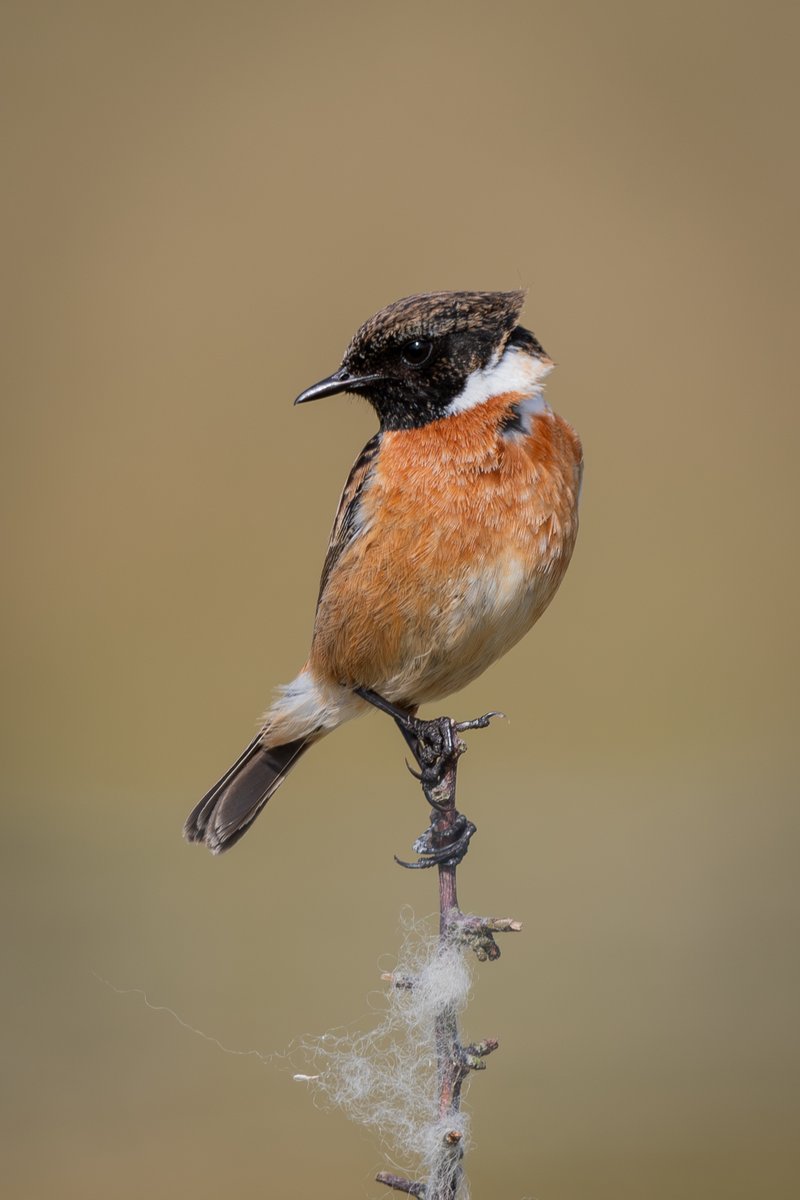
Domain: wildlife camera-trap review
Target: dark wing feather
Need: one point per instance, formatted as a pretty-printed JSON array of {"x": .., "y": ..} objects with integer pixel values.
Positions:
[{"x": 344, "y": 524}]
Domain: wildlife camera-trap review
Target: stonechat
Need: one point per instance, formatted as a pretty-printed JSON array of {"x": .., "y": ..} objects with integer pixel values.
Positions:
[{"x": 454, "y": 530}]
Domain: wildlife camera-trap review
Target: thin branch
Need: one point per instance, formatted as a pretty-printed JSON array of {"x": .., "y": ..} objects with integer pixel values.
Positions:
[
  {"x": 437, "y": 748},
  {"x": 400, "y": 1185}
]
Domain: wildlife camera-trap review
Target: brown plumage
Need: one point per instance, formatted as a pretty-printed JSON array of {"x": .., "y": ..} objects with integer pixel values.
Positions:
[
  {"x": 453, "y": 532},
  {"x": 446, "y": 508}
]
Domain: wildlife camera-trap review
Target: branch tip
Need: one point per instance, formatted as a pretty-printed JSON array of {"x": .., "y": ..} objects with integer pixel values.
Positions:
[
  {"x": 481, "y": 1049},
  {"x": 399, "y": 1184}
]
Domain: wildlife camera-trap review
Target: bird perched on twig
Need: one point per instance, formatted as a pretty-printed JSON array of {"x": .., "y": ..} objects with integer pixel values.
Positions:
[{"x": 454, "y": 530}]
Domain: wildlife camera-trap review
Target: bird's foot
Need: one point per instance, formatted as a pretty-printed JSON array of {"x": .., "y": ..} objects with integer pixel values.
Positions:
[
  {"x": 448, "y": 854},
  {"x": 436, "y": 747},
  {"x": 435, "y": 744}
]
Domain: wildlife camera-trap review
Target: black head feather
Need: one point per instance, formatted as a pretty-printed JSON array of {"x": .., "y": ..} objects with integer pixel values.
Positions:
[{"x": 411, "y": 359}]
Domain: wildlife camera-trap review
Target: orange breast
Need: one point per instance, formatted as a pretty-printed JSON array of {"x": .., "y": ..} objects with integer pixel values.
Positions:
[{"x": 464, "y": 537}]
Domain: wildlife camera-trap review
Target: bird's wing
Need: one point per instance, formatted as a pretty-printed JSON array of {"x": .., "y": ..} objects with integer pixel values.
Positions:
[{"x": 344, "y": 526}]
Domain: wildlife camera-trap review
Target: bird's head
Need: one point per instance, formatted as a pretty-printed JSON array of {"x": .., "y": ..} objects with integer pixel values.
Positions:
[{"x": 428, "y": 356}]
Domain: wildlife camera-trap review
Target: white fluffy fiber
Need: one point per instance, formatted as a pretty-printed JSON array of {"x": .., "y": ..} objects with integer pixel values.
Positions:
[{"x": 386, "y": 1078}]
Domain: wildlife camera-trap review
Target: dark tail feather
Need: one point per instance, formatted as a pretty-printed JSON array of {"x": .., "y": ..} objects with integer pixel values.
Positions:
[{"x": 226, "y": 812}]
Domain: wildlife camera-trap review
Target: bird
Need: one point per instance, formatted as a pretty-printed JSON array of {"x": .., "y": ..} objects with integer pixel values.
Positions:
[{"x": 453, "y": 532}]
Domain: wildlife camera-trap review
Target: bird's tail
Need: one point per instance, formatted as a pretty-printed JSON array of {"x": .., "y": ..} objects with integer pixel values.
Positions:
[
  {"x": 228, "y": 810},
  {"x": 303, "y": 712}
]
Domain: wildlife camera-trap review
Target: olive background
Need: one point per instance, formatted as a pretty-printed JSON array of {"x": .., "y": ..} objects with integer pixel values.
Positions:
[{"x": 202, "y": 202}]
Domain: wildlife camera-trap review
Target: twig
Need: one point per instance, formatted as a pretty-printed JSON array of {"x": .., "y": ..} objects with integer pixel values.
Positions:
[
  {"x": 400, "y": 1185},
  {"x": 438, "y": 747}
]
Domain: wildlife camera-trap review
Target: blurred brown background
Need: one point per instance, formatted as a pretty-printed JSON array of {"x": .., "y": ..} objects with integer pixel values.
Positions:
[{"x": 202, "y": 202}]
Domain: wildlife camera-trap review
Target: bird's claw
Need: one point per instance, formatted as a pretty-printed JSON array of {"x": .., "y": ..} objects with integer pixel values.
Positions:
[
  {"x": 417, "y": 774},
  {"x": 449, "y": 855},
  {"x": 435, "y": 744},
  {"x": 479, "y": 722},
  {"x": 436, "y": 747}
]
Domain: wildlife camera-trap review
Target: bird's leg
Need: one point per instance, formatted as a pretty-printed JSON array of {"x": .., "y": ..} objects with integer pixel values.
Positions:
[
  {"x": 433, "y": 743},
  {"x": 404, "y": 718},
  {"x": 436, "y": 747}
]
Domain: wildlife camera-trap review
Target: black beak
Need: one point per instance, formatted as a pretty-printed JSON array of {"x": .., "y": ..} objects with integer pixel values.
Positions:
[{"x": 340, "y": 381}]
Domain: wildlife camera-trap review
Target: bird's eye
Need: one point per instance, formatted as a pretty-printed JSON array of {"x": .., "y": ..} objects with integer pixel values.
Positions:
[{"x": 417, "y": 352}]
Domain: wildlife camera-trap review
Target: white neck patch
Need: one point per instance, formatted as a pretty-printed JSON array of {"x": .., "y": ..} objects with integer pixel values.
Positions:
[{"x": 516, "y": 371}]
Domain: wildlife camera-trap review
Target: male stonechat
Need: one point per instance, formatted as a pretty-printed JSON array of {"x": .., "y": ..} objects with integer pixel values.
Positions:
[{"x": 454, "y": 530}]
